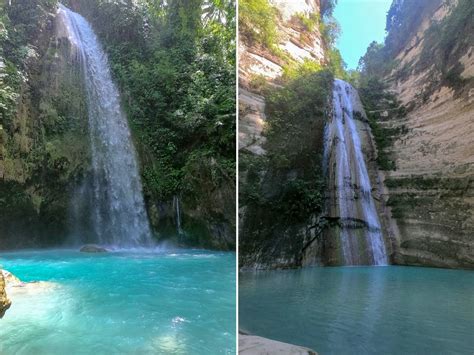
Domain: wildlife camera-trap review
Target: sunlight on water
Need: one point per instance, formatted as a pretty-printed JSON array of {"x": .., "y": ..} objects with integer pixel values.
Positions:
[{"x": 122, "y": 302}]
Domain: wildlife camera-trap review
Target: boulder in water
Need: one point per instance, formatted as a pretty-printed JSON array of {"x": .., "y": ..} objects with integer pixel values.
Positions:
[
  {"x": 91, "y": 248},
  {"x": 4, "y": 301}
]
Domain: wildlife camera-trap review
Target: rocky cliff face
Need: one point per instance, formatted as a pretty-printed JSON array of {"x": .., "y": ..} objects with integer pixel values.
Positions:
[
  {"x": 257, "y": 64},
  {"x": 43, "y": 144},
  {"x": 431, "y": 192},
  {"x": 264, "y": 241}
]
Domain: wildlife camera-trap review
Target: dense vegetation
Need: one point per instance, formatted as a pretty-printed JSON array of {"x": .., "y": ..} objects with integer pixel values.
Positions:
[
  {"x": 284, "y": 188},
  {"x": 174, "y": 62},
  {"x": 296, "y": 116},
  {"x": 40, "y": 153}
]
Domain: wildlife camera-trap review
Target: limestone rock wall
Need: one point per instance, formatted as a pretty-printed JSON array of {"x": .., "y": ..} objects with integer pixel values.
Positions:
[
  {"x": 256, "y": 62},
  {"x": 431, "y": 192}
]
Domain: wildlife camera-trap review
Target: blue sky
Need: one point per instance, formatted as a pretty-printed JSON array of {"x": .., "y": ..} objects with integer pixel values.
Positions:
[{"x": 361, "y": 21}]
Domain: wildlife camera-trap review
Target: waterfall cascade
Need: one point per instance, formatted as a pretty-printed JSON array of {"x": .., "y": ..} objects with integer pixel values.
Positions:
[
  {"x": 351, "y": 199},
  {"x": 177, "y": 208},
  {"x": 114, "y": 194}
]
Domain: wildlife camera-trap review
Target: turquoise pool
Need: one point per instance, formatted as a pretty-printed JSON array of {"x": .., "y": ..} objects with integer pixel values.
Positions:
[
  {"x": 362, "y": 310},
  {"x": 171, "y": 302}
]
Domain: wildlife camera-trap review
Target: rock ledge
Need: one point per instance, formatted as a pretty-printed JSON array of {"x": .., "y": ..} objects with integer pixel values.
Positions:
[{"x": 255, "y": 345}]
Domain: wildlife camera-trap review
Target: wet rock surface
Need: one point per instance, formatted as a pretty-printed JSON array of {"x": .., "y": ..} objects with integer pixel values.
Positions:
[{"x": 92, "y": 248}]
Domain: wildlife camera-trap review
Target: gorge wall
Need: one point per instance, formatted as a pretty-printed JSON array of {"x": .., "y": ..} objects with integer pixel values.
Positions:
[
  {"x": 431, "y": 190},
  {"x": 280, "y": 165},
  {"x": 417, "y": 141},
  {"x": 259, "y": 64}
]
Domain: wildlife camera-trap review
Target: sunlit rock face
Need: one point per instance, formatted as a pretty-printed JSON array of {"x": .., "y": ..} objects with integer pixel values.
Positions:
[
  {"x": 432, "y": 189},
  {"x": 4, "y": 301},
  {"x": 296, "y": 42},
  {"x": 259, "y": 65}
]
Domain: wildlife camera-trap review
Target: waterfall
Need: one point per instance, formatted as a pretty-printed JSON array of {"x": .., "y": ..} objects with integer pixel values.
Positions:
[
  {"x": 114, "y": 193},
  {"x": 177, "y": 209},
  {"x": 351, "y": 199}
]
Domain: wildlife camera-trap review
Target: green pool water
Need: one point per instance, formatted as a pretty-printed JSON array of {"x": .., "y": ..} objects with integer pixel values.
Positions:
[
  {"x": 174, "y": 302},
  {"x": 362, "y": 310}
]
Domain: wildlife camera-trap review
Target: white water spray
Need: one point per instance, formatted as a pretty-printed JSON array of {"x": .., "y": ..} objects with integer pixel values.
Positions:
[{"x": 117, "y": 209}]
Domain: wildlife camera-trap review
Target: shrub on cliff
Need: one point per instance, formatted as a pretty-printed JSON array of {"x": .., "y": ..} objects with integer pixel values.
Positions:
[{"x": 258, "y": 22}]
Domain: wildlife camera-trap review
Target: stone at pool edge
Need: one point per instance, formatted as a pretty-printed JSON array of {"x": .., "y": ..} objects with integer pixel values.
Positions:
[
  {"x": 5, "y": 303},
  {"x": 91, "y": 248},
  {"x": 255, "y": 345}
]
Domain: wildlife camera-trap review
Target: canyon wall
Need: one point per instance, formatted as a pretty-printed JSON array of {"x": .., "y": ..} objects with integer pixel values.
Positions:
[
  {"x": 258, "y": 64},
  {"x": 431, "y": 190},
  {"x": 269, "y": 238}
]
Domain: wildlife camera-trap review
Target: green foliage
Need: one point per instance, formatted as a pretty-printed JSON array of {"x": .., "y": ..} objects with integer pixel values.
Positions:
[
  {"x": 336, "y": 63},
  {"x": 293, "y": 69},
  {"x": 176, "y": 70},
  {"x": 444, "y": 42},
  {"x": 403, "y": 19},
  {"x": 376, "y": 99},
  {"x": 310, "y": 22},
  {"x": 258, "y": 22},
  {"x": 258, "y": 83},
  {"x": 374, "y": 62},
  {"x": 295, "y": 120},
  {"x": 330, "y": 31}
]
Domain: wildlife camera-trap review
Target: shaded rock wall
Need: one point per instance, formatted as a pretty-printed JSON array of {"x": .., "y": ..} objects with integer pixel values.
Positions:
[
  {"x": 259, "y": 65},
  {"x": 44, "y": 147}
]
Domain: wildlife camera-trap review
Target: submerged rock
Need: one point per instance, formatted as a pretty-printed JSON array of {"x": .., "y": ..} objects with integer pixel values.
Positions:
[
  {"x": 91, "y": 248},
  {"x": 17, "y": 288},
  {"x": 254, "y": 345},
  {"x": 5, "y": 303}
]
